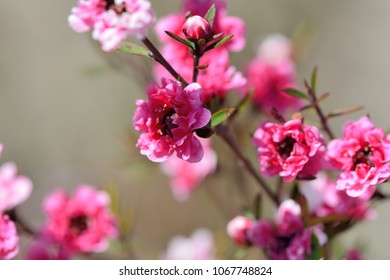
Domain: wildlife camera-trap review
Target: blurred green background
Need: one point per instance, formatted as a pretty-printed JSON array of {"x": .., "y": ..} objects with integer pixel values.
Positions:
[{"x": 65, "y": 115}]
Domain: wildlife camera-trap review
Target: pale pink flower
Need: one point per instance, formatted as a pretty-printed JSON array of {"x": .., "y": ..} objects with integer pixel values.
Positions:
[
  {"x": 112, "y": 21},
  {"x": 292, "y": 150},
  {"x": 199, "y": 246},
  {"x": 9, "y": 238},
  {"x": 362, "y": 155},
  {"x": 45, "y": 247},
  {"x": 168, "y": 120},
  {"x": 14, "y": 189},
  {"x": 285, "y": 238},
  {"x": 324, "y": 199},
  {"x": 219, "y": 77},
  {"x": 186, "y": 176},
  {"x": 237, "y": 229},
  {"x": 81, "y": 222},
  {"x": 270, "y": 72}
]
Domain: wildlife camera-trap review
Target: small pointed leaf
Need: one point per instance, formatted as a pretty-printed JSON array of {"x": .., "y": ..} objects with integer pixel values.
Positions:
[
  {"x": 180, "y": 40},
  {"x": 210, "y": 15},
  {"x": 315, "y": 253},
  {"x": 219, "y": 42},
  {"x": 134, "y": 49},
  {"x": 314, "y": 78},
  {"x": 220, "y": 116},
  {"x": 296, "y": 93},
  {"x": 345, "y": 111}
]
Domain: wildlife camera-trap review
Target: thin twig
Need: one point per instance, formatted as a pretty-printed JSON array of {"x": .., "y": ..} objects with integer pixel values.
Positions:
[{"x": 224, "y": 133}]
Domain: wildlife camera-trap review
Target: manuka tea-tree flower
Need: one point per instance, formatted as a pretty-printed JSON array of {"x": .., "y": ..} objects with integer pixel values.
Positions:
[{"x": 193, "y": 124}]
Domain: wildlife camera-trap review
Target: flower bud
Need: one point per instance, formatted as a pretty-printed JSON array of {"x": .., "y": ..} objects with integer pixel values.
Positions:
[
  {"x": 196, "y": 28},
  {"x": 237, "y": 229}
]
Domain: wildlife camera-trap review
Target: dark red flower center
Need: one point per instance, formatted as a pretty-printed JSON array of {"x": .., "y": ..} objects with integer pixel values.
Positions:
[
  {"x": 166, "y": 121},
  {"x": 286, "y": 146},
  {"x": 363, "y": 157},
  {"x": 110, "y": 5},
  {"x": 78, "y": 224}
]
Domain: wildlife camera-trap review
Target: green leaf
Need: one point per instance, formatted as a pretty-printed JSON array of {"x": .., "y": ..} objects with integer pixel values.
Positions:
[
  {"x": 296, "y": 93},
  {"x": 210, "y": 15},
  {"x": 219, "y": 43},
  {"x": 314, "y": 78},
  {"x": 134, "y": 49},
  {"x": 180, "y": 40},
  {"x": 315, "y": 253},
  {"x": 345, "y": 111},
  {"x": 326, "y": 219},
  {"x": 257, "y": 209},
  {"x": 220, "y": 116}
]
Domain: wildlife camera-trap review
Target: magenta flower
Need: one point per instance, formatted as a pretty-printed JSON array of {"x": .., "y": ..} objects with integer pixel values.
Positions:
[
  {"x": 237, "y": 229},
  {"x": 199, "y": 246},
  {"x": 325, "y": 199},
  {"x": 219, "y": 77},
  {"x": 9, "y": 239},
  {"x": 270, "y": 72},
  {"x": 362, "y": 155},
  {"x": 81, "y": 222},
  {"x": 186, "y": 176},
  {"x": 45, "y": 247},
  {"x": 112, "y": 21},
  {"x": 286, "y": 238},
  {"x": 292, "y": 150},
  {"x": 168, "y": 120},
  {"x": 14, "y": 189},
  {"x": 196, "y": 28}
]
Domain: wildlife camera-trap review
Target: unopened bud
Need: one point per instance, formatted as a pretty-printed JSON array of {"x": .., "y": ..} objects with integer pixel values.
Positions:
[
  {"x": 237, "y": 229},
  {"x": 196, "y": 28}
]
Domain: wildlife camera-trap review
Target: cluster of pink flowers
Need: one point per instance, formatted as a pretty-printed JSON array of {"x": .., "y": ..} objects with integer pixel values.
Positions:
[
  {"x": 112, "y": 21},
  {"x": 168, "y": 120},
  {"x": 79, "y": 223},
  {"x": 199, "y": 246},
  {"x": 186, "y": 176},
  {"x": 291, "y": 150},
  {"x": 286, "y": 237},
  {"x": 272, "y": 71},
  {"x": 362, "y": 155},
  {"x": 219, "y": 77}
]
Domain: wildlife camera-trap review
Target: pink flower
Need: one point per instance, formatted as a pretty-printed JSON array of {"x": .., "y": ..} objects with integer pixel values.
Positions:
[
  {"x": 324, "y": 199},
  {"x": 14, "y": 189},
  {"x": 196, "y": 28},
  {"x": 1, "y": 149},
  {"x": 186, "y": 176},
  {"x": 219, "y": 77},
  {"x": 82, "y": 222},
  {"x": 238, "y": 228},
  {"x": 168, "y": 120},
  {"x": 362, "y": 155},
  {"x": 354, "y": 254},
  {"x": 272, "y": 71},
  {"x": 45, "y": 247},
  {"x": 199, "y": 246},
  {"x": 9, "y": 239},
  {"x": 112, "y": 21},
  {"x": 292, "y": 150},
  {"x": 286, "y": 238}
]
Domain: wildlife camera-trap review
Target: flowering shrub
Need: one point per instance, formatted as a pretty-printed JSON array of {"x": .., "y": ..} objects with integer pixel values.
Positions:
[{"x": 205, "y": 121}]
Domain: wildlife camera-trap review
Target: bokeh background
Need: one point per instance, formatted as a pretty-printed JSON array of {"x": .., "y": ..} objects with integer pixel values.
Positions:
[{"x": 66, "y": 108}]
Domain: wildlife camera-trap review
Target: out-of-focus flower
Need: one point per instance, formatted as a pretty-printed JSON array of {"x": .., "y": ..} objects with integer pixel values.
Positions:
[
  {"x": 112, "y": 21},
  {"x": 354, "y": 254},
  {"x": 9, "y": 238},
  {"x": 14, "y": 189},
  {"x": 270, "y": 72},
  {"x": 290, "y": 150},
  {"x": 219, "y": 77},
  {"x": 45, "y": 247},
  {"x": 324, "y": 199},
  {"x": 81, "y": 222},
  {"x": 199, "y": 246},
  {"x": 168, "y": 120},
  {"x": 286, "y": 238},
  {"x": 196, "y": 28},
  {"x": 186, "y": 176},
  {"x": 1, "y": 148},
  {"x": 362, "y": 155},
  {"x": 238, "y": 228}
]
